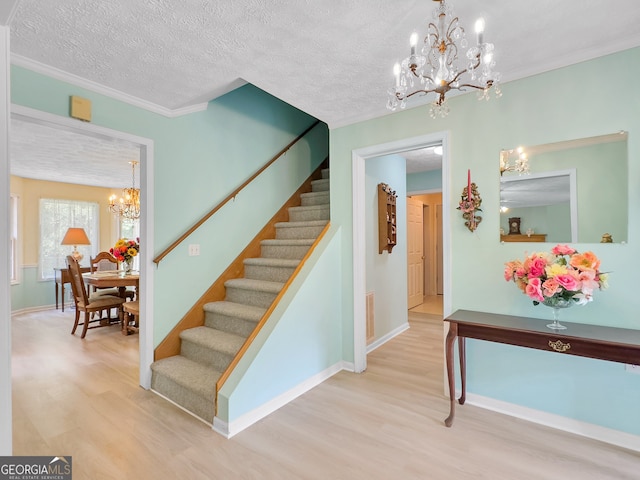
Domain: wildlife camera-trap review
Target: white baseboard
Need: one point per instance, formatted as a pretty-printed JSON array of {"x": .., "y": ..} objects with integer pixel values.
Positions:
[
  {"x": 39, "y": 308},
  {"x": 596, "y": 432},
  {"x": 228, "y": 430},
  {"x": 382, "y": 340}
]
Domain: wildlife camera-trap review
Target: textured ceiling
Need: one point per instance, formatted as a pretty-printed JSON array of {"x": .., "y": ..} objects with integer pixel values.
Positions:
[
  {"x": 329, "y": 58},
  {"x": 47, "y": 153}
]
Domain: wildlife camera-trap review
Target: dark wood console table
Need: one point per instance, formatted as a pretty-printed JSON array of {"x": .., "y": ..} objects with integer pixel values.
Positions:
[
  {"x": 592, "y": 341},
  {"x": 61, "y": 277}
]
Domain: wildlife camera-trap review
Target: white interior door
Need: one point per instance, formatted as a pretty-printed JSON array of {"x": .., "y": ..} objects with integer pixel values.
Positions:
[{"x": 415, "y": 253}]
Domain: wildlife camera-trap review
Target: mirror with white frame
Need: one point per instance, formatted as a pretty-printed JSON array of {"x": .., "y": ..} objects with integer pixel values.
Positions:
[{"x": 572, "y": 191}]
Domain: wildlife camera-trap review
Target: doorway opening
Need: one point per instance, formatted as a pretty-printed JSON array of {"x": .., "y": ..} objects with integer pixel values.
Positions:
[
  {"x": 359, "y": 158},
  {"x": 145, "y": 145}
]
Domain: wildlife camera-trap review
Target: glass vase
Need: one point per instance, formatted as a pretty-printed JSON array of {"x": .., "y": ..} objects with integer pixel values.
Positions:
[
  {"x": 557, "y": 304},
  {"x": 127, "y": 266}
]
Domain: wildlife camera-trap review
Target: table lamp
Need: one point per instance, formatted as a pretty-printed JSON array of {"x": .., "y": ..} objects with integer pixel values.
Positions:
[{"x": 75, "y": 237}]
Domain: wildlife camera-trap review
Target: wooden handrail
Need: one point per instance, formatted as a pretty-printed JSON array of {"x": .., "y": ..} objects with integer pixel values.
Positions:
[{"x": 230, "y": 196}]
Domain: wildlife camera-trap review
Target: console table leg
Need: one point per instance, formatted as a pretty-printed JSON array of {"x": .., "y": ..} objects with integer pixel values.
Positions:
[
  {"x": 451, "y": 336},
  {"x": 463, "y": 369}
]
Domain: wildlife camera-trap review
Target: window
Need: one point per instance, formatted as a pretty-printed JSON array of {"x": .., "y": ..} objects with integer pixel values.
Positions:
[
  {"x": 13, "y": 237},
  {"x": 56, "y": 216},
  {"x": 130, "y": 229}
]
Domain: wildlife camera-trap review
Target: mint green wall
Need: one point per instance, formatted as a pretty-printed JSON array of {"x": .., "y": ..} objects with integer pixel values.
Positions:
[
  {"x": 424, "y": 181},
  {"x": 386, "y": 273},
  {"x": 302, "y": 338},
  {"x": 33, "y": 293},
  {"x": 563, "y": 104},
  {"x": 199, "y": 159}
]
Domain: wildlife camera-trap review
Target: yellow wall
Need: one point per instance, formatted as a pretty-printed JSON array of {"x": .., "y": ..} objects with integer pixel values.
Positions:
[{"x": 31, "y": 191}]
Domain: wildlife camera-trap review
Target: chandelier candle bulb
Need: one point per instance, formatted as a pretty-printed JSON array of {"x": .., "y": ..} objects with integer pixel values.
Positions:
[
  {"x": 413, "y": 41},
  {"x": 396, "y": 73},
  {"x": 480, "y": 30}
]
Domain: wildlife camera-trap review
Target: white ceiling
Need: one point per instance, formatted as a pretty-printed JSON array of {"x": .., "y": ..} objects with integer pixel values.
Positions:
[
  {"x": 46, "y": 153},
  {"x": 329, "y": 58}
]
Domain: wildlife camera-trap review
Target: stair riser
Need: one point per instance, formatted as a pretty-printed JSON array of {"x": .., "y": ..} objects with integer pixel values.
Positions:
[
  {"x": 316, "y": 199},
  {"x": 308, "y": 215},
  {"x": 268, "y": 273},
  {"x": 206, "y": 356},
  {"x": 191, "y": 401},
  {"x": 325, "y": 173},
  {"x": 250, "y": 297},
  {"x": 284, "y": 251},
  {"x": 235, "y": 325},
  {"x": 320, "y": 185},
  {"x": 298, "y": 233}
]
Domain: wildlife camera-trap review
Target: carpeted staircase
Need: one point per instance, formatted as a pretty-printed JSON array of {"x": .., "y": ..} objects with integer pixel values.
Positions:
[{"x": 189, "y": 379}]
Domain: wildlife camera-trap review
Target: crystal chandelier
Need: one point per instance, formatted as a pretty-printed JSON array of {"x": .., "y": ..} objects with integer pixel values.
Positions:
[
  {"x": 520, "y": 161},
  {"x": 435, "y": 69},
  {"x": 127, "y": 206}
]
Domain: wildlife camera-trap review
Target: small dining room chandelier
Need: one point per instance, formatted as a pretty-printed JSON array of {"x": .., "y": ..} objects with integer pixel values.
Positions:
[
  {"x": 128, "y": 205},
  {"x": 434, "y": 69}
]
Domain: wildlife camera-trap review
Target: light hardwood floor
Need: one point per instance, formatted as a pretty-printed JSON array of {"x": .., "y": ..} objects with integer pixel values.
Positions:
[
  {"x": 81, "y": 398},
  {"x": 431, "y": 304}
]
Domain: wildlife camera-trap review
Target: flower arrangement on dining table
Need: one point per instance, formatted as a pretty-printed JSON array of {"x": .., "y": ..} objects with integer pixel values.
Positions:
[
  {"x": 125, "y": 250},
  {"x": 562, "y": 276}
]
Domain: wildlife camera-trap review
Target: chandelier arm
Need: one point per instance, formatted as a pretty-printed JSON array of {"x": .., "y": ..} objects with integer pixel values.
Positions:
[
  {"x": 477, "y": 64},
  {"x": 450, "y": 30},
  {"x": 458, "y": 75},
  {"x": 477, "y": 87},
  {"x": 433, "y": 34},
  {"x": 415, "y": 93}
]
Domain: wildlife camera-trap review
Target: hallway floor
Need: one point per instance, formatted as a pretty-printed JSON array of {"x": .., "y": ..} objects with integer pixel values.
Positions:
[{"x": 432, "y": 305}]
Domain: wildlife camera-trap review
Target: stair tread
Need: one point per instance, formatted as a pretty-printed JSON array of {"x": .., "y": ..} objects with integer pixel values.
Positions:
[
  {"x": 315, "y": 194},
  {"x": 287, "y": 241},
  {"x": 323, "y": 206},
  {"x": 307, "y": 223},
  {"x": 233, "y": 309},
  {"x": 191, "y": 375},
  {"x": 260, "y": 285},
  {"x": 272, "y": 262},
  {"x": 214, "y": 339}
]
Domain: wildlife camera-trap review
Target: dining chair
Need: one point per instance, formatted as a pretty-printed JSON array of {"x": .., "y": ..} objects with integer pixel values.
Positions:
[
  {"x": 90, "y": 304},
  {"x": 105, "y": 261},
  {"x": 130, "y": 317}
]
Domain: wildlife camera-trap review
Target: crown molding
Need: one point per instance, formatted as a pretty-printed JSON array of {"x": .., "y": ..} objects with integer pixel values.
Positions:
[{"x": 67, "y": 77}]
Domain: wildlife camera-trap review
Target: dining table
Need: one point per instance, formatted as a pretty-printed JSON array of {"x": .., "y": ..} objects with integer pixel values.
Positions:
[{"x": 114, "y": 278}]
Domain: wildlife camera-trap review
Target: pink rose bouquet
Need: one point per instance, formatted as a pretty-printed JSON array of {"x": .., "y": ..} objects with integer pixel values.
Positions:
[
  {"x": 561, "y": 276},
  {"x": 124, "y": 250}
]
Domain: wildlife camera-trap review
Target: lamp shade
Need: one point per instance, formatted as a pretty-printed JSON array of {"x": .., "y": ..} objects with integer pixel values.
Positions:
[{"x": 75, "y": 236}]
